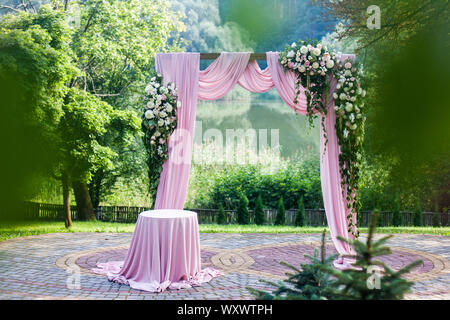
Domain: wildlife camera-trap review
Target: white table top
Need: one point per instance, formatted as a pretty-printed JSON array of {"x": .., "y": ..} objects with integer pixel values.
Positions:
[{"x": 168, "y": 214}]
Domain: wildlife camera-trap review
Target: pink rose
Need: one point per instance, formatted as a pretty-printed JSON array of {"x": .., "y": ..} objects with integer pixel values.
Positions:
[
  {"x": 307, "y": 63},
  {"x": 163, "y": 97},
  {"x": 322, "y": 63},
  {"x": 290, "y": 64},
  {"x": 348, "y": 65},
  {"x": 161, "y": 141}
]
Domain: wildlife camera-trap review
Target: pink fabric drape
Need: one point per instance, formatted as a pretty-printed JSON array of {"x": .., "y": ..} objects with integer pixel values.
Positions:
[
  {"x": 183, "y": 70},
  {"x": 214, "y": 83},
  {"x": 221, "y": 76}
]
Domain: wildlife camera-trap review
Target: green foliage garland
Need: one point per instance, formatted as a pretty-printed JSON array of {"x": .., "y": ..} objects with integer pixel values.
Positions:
[
  {"x": 313, "y": 66},
  {"x": 158, "y": 123}
]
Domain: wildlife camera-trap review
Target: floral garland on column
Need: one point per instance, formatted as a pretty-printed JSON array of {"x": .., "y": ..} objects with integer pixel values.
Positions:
[
  {"x": 313, "y": 65},
  {"x": 159, "y": 120}
]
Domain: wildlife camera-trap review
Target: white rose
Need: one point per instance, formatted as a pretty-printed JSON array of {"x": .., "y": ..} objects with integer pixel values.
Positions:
[
  {"x": 163, "y": 114},
  {"x": 303, "y": 50},
  {"x": 302, "y": 69},
  {"x": 335, "y": 95},
  {"x": 348, "y": 107},
  {"x": 157, "y": 134},
  {"x": 315, "y": 65},
  {"x": 343, "y": 96},
  {"x": 156, "y": 85},
  {"x": 348, "y": 73},
  {"x": 338, "y": 86},
  {"x": 330, "y": 64},
  {"x": 353, "y": 99},
  {"x": 293, "y": 45},
  {"x": 345, "y": 133},
  {"x": 364, "y": 93},
  {"x": 160, "y": 122},
  {"x": 354, "y": 126},
  {"x": 178, "y": 103},
  {"x": 316, "y": 51},
  {"x": 290, "y": 54},
  {"x": 149, "y": 114},
  {"x": 169, "y": 108}
]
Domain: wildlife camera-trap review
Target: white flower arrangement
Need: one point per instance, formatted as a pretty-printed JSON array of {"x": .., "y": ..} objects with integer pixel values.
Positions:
[
  {"x": 313, "y": 65},
  {"x": 158, "y": 123}
]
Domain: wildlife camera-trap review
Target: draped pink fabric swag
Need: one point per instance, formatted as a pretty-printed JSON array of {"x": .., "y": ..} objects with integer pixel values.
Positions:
[{"x": 213, "y": 83}]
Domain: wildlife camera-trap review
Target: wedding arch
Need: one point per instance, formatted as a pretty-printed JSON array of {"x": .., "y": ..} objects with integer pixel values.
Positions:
[{"x": 228, "y": 69}]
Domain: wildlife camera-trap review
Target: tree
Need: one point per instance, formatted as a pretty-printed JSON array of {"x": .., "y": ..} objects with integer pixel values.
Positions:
[
  {"x": 300, "y": 216},
  {"x": 35, "y": 64},
  {"x": 243, "y": 216},
  {"x": 260, "y": 217},
  {"x": 418, "y": 216},
  {"x": 84, "y": 122},
  {"x": 221, "y": 219},
  {"x": 370, "y": 279},
  {"x": 115, "y": 47},
  {"x": 280, "y": 218},
  {"x": 396, "y": 213},
  {"x": 310, "y": 282}
]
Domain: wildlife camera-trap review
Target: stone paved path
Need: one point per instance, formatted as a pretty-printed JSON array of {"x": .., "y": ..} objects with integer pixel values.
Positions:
[{"x": 38, "y": 267}]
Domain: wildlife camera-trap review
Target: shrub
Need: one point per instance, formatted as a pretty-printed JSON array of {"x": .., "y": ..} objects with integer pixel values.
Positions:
[
  {"x": 418, "y": 220},
  {"x": 280, "y": 219},
  {"x": 260, "y": 218},
  {"x": 242, "y": 210},
  {"x": 221, "y": 219},
  {"x": 436, "y": 220},
  {"x": 300, "y": 216},
  {"x": 379, "y": 215},
  {"x": 396, "y": 214}
]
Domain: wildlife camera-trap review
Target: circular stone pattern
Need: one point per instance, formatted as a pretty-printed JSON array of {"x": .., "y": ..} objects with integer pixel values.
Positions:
[
  {"x": 265, "y": 260},
  {"x": 90, "y": 260},
  {"x": 268, "y": 259}
]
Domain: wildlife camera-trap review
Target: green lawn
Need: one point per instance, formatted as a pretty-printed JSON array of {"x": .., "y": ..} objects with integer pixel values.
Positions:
[{"x": 15, "y": 230}]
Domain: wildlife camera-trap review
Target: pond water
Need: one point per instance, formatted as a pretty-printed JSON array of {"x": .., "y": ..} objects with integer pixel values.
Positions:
[{"x": 228, "y": 116}]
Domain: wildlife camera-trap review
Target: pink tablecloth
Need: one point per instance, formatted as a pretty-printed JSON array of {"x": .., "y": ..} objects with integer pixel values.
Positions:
[{"x": 164, "y": 253}]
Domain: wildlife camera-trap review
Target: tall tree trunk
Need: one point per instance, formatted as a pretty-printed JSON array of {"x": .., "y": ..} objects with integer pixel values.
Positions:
[
  {"x": 66, "y": 201},
  {"x": 83, "y": 199}
]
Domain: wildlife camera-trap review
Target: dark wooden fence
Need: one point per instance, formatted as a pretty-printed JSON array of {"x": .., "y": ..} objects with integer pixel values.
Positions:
[{"x": 314, "y": 217}]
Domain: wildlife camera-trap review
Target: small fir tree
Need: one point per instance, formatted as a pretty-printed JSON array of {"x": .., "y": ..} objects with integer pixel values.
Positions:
[
  {"x": 221, "y": 219},
  {"x": 363, "y": 282},
  {"x": 396, "y": 213},
  {"x": 260, "y": 218},
  {"x": 418, "y": 220},
  {"x": 436, "y": 220},
  {"x": 300, "y": 216},
  {"x": 310, "y": 282},
  {"x": 280, "y": 218},
  {"x": 379, "y": 215},
  {"x": 242, "y": 210}
]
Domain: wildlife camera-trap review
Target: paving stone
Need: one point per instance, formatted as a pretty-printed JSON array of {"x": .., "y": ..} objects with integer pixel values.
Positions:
[{"x": 33, "y": 267}]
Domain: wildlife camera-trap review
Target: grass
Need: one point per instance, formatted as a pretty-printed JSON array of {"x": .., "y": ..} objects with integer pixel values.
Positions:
[{"x": 11, "y": 230}]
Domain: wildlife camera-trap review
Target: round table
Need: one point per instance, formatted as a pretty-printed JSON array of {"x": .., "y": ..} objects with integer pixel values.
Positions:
[{"x": 164, "y": 253}]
